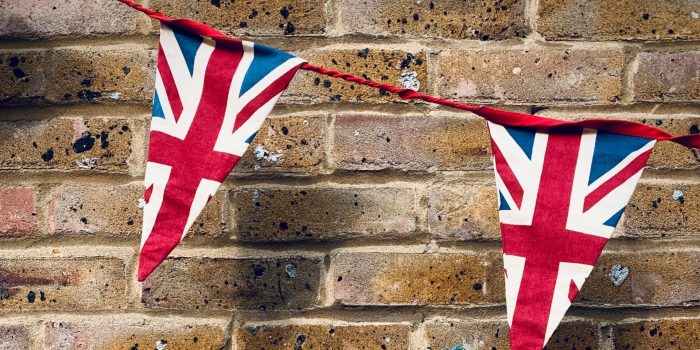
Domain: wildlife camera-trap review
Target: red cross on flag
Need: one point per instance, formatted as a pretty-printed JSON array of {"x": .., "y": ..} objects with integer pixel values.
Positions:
[{"x": 561, "y": 193}]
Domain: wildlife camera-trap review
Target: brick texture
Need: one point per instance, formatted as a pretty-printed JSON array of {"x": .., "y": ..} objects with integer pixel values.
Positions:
[
  {"x": 114, "y": 211},
  {"x": 17, "y": 212},
  {"x": 378, "y": 64},
  {"x": 328, "y": 336},
  {"x": 657, "y": 334},
  {"x": 36, "y": 19},
  {"x": 356, "y": 219},
  {"x": 448, "y": 19},
  {"x": 96, "y": 144},
  {"x": 531, "y": 76},
  {"x": 406, "y": 279},
  {"x": 378, "y": 142},
  {"x": 653, "y": 211},
  {"x": 451, "y": 334},
  {"x": 62, "y": 284},
  {"x": 291, "y": 144},
  {"x": 287, "y": 283},
  {"x": 667, "y": 76},
  {"x": 265, "y": 17},
  {"x": 619, "y": 20},
  {"x": 323, "y": 213},
  {"x": 134, "y": 332}
]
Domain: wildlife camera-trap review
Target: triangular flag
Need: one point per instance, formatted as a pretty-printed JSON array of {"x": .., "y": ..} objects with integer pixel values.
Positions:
[
  {"x": 561, "y": 193},
  {"x": 212, "y": 94}
]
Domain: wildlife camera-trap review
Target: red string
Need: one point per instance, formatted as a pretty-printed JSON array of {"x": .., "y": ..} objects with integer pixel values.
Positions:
[{"x": 406, "y": 94}]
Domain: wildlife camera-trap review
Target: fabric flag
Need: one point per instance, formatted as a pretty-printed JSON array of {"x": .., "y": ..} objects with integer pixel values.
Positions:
[
  {"x": 212, "y": 94},
  {"x": 561, "y": 192}
]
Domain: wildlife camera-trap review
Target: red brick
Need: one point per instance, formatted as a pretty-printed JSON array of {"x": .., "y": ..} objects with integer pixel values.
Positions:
[
  {"x": 377, "y": 142},
  {"x": 33, "y": 19},
  {"x": 336, "y": 335},
  {"x": 452, "y": 19},
  {"x": 135, "y": 332},
  {"x": 384, "y": 278},
  {"x": 114, "y": 211},
  {"x": 663, "y": 278},
  {"x": 538, "y": 75},
  {"x": 323, "y": 213},
  {"x": 80, "y": 144},
  {"x": 91, "y": 283},
  {"x": 618, "y": 20},
  {"x": 17, "y": 212},
  {"x": 265, "y": 284},
  {"x": 667, "y": 76},
  {"x": 676, "y": 333},
  {"x": 463, "y": 210}
]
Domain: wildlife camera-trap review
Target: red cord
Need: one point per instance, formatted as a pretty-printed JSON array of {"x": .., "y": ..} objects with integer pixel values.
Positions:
[{"x": 406, "y": 94}]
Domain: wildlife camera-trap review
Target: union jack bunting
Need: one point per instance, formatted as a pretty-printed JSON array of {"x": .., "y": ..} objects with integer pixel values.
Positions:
[
  {"x": 212, "y": 94},
  {"x": 561, "y": 194}
]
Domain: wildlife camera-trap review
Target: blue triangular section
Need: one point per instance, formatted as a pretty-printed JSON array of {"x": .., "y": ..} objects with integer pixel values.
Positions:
[
  {"x": 610, "y": 149},
  {"x": 189, "y": 44},
  {"x": 524, "y": 137},
  {"x": 502, "y": 204},
  {"x": 250, "y": 139},
  {"x": 157, "y": 108},
  {"x": 265, "y": 59},
  {"x": 612, "y": 222}
]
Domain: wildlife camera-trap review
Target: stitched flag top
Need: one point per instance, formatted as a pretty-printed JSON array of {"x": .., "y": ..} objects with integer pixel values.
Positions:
[
  {"x": 561, "y": 193},
  {"x": 211, "y": 97}
]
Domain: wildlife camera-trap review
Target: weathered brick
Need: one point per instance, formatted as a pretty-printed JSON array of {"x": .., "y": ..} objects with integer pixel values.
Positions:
[
  {"x": 62, "y": 283},
  {"x": 323, "y": 213},
  {"x": 328, "y": 336},
  {"x": 376, "y": 142},
  {"x": 291, "y": 144},
  {"x": 653, "y": 211},
  {"x": 657, "y": 334},
  {"x": 531, "y": 76},
  {"x": 21, "y": 76},
  {"x": 411, "y": 278},
  {"x": 454, "y": 19},
  {"x": 265, "y": 17},
  {"x": 618, "y": 20},
  {"x": 135, "y": 332},
  {"x": 463, "y": 211},
  {"x": 284, "y": 283},
  {"x": 98, "y": 144},
  {"x": 114, "y": 211},
  {"x": 17, "y": 211},
  {"x": 654, "y": 278},
  {"x": 382, "y": 65},
  {"x": 41, "y": 19},
  {"x": 15, "y": 337},
  {"x": 472, "y": 334},
  {"x": 667, "y": 76},
  {"x": 110, "y": 73}
]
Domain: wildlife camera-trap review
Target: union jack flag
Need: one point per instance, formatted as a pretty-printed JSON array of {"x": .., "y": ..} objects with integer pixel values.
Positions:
[
  {"x": 561, "y": 193},
  {"x": 211, "y": 97}
]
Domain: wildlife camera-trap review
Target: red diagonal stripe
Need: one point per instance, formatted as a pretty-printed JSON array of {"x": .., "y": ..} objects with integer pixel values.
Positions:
[
  {"x": 507, "y": 175},
  {"x": 618, "y": 179},
  {"x": 166, "y": 76},
  {"x": 265, "y": 96}
]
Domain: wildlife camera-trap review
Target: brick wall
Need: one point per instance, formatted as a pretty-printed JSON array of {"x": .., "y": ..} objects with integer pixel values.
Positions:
[{"x": 377, "y": 226}]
